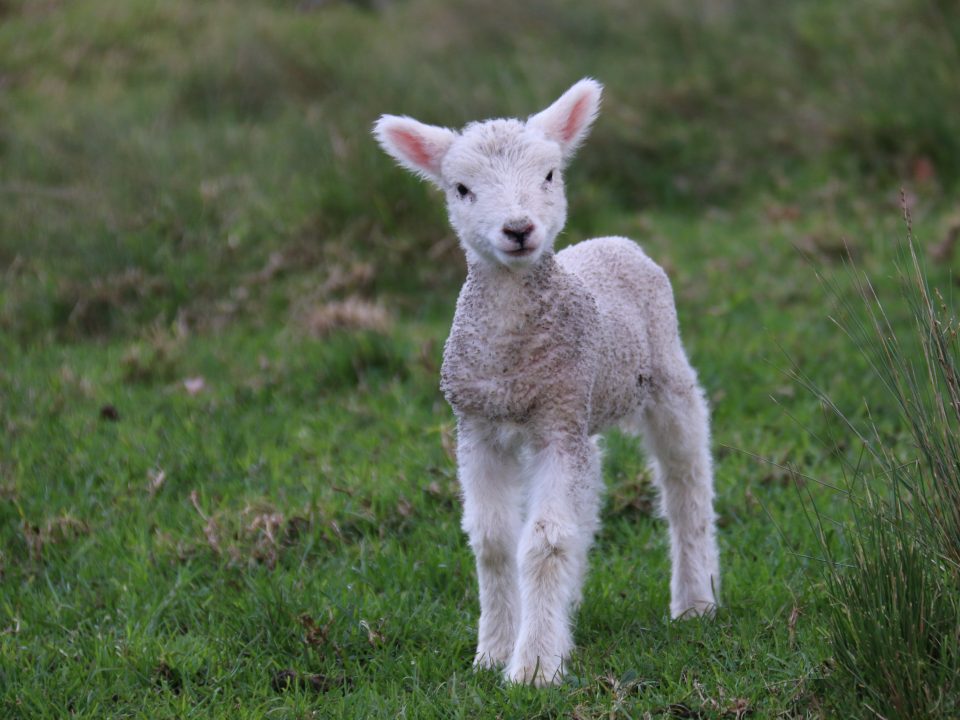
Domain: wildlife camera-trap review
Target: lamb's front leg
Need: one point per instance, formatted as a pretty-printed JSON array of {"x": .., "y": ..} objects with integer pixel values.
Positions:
[
  {"x": 561, "y": 521},
  {"x": 492, "y": 517}
]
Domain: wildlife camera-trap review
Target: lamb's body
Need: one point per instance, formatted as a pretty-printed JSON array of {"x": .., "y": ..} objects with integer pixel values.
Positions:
[
  {"x": 545, "y": 352},
  {"x": 572, "y": 342}
]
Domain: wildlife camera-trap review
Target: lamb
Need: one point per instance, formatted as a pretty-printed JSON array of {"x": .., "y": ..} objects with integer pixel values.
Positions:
[{"x": 546, "y": 351}]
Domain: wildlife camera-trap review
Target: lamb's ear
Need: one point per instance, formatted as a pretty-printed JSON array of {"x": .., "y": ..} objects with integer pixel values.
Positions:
[
  {"x": 419, "y": 148},
  {"x": 568, "y": 120}
]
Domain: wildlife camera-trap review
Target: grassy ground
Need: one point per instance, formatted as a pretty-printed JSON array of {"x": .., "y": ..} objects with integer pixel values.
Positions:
[{"x": 226, "y": 487}]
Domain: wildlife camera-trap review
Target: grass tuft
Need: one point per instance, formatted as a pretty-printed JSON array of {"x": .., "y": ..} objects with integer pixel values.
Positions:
[{"x": 894, "y": 616}]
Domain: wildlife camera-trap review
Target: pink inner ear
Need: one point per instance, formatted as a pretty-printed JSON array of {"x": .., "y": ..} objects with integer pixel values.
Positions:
[
  {"x": 575, "y": 119},
  {"x": 413, "y": 147}
]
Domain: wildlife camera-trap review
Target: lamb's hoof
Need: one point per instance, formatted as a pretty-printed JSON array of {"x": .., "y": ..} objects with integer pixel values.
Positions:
[
  {"x": 537, "y": 674},
  {"x": 693, "y": 609}
]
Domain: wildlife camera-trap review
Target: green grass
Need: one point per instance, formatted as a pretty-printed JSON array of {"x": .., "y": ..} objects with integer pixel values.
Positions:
[
  {"x": 123, "y": 600},
  {"x": 189, "y": 190},
  {"x": 894, "y": 619}
]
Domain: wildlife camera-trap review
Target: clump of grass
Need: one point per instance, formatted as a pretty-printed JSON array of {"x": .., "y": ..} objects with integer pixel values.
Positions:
[
  {"x": 350, "y": 314},
  {"x": 155, "y": 357},
  {"x": 894, "y": 618}
]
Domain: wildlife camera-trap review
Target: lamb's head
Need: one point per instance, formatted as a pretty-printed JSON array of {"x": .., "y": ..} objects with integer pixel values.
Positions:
[{"x": 503, "y": 179}]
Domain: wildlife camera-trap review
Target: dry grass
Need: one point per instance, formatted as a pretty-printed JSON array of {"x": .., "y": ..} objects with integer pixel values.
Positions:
[{"x": 350, "y": 314}]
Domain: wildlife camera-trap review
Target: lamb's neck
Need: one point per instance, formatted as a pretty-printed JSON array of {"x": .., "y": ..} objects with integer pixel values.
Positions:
[
  {"x": 507, "y": 300},
  {"x": 497, "y": 279}
]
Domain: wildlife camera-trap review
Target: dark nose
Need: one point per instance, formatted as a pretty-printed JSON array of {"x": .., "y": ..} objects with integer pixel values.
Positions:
[{"x": 519, "y": 231}]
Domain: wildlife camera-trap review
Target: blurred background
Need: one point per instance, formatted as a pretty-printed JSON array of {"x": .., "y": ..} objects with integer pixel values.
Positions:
[
  {"x": 212, "y": 160},
  {"x": 227, "y": 477}
]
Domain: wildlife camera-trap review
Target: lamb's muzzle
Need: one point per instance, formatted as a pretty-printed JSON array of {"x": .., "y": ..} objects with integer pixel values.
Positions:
[
  {"x": 547, "y": 350},
  {"x": 519, "y": 231}
]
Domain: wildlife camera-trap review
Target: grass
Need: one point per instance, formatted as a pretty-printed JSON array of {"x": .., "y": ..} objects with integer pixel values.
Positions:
[
  {"x": 225, "y": 480},
  {"x": 895, "y": 619}
]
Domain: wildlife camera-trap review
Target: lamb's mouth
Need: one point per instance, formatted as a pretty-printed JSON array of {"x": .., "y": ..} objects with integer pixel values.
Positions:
[{"x": 521, "y": 252}]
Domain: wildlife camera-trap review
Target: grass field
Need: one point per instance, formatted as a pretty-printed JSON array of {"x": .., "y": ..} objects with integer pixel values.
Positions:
[{"x": 226, "y": 481}]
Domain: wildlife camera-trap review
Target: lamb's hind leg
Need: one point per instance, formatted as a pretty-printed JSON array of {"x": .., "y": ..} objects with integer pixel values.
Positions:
[
  {"x": 677, "y": 433},
  {"x": 492, "y": 516}
]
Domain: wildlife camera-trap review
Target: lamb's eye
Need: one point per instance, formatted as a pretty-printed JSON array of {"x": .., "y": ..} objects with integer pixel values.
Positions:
[
  {"x": 550, "y": 176},
  {"x": 462, "y": 190}
]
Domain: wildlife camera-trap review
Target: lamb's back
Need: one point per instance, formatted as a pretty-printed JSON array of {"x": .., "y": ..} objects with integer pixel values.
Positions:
[{"x": 635, "y": 302}]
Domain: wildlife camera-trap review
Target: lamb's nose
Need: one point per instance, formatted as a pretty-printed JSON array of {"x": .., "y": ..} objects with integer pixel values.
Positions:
[{"x": 518, "y": 231}]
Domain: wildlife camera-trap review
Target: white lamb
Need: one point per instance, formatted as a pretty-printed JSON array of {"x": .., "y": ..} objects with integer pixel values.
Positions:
[{"x": 546, "y": 351}]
